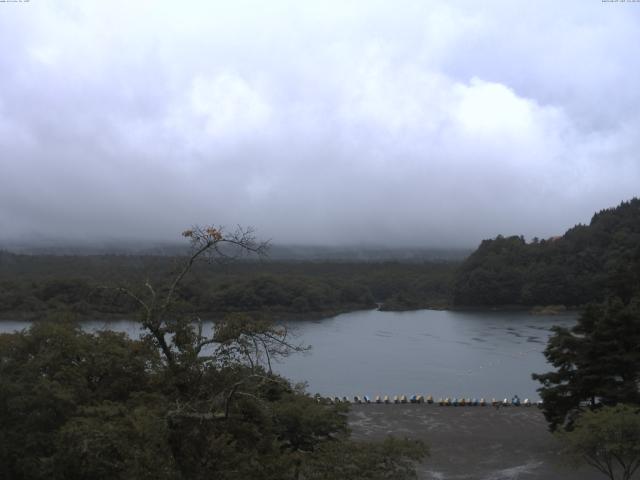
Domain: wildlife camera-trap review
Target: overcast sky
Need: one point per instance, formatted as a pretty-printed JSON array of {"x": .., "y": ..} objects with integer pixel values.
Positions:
[{"x": 382, "y": 123}]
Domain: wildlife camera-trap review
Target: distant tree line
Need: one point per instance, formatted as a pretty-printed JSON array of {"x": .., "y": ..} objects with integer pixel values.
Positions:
[{"x": 32, "y": 285}]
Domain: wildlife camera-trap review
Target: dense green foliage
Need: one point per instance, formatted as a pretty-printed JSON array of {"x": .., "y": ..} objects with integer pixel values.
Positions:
[
  {"x": 597, "y": 361},
  {"x": 608, "y": 440},
  {"x": 586, "y": 264},
  {"x": 33, "y": 285},
  {"x": 176, "y": 404},
  {"x": 75, "y": 405}
]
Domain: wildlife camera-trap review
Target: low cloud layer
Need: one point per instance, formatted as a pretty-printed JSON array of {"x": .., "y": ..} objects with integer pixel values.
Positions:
[{"x": 404, "y": 123}]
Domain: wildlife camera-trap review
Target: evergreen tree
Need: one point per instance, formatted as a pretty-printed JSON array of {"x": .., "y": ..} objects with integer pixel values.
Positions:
[{"x": 597, "y": 362}]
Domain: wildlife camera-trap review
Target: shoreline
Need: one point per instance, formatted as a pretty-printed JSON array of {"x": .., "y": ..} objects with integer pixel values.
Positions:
[{"x": 22, "y": 316}]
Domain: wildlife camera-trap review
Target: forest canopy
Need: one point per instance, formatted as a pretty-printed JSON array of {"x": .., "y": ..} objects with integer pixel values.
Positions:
[{"x": 585, "y": 264}]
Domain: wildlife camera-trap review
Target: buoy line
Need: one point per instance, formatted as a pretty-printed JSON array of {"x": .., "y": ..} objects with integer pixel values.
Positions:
[{"x": 429, "y": 400}]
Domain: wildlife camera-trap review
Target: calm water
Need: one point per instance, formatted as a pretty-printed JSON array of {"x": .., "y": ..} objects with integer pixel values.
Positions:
[{"x": 471, "y": 354}]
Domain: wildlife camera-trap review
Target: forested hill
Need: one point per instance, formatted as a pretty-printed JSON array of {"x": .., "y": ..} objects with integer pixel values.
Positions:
[{"x": 583, "y": 265}]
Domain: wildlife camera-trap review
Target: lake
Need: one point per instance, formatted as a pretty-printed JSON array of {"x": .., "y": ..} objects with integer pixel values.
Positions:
[{"x": 441, "y": 353}]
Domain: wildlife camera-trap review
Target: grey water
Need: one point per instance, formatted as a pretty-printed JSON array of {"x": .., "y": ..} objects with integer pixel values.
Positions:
[{"x": 428, "y": 352}]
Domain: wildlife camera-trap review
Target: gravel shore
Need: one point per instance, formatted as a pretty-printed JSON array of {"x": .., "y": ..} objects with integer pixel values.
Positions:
[{"x": 479, "y": 443}]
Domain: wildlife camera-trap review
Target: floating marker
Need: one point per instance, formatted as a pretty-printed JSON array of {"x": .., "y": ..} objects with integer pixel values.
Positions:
[{"x": 416, "y": 398}]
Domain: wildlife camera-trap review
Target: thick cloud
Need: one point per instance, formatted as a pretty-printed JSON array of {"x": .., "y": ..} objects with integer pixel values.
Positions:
[{"x": 405, "y": 123}]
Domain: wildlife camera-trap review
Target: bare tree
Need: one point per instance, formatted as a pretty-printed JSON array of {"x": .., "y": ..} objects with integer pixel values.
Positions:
[
  {"x": 236, "y": 339},
  {"x": 211, "y": 243},
  {"x": 253, "y": 342}
]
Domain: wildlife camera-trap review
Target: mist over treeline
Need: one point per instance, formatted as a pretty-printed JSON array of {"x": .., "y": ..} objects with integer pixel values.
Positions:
[{"x": 275, "y": 252}]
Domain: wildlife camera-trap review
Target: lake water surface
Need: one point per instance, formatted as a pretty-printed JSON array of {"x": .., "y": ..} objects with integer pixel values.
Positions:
[{"x": 442, "y": 353}]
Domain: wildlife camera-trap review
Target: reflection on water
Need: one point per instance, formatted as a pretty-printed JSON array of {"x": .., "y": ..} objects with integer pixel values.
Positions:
[{"x": 470, "y": 354}]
